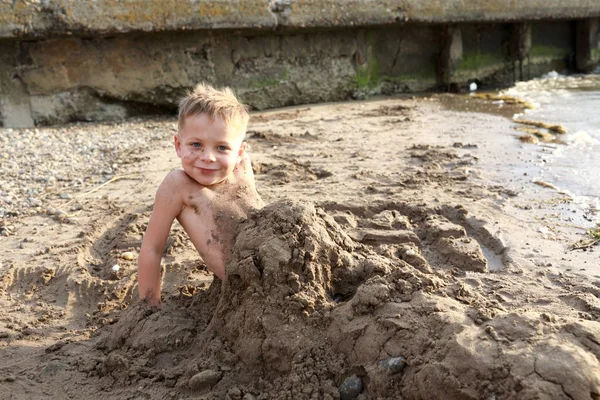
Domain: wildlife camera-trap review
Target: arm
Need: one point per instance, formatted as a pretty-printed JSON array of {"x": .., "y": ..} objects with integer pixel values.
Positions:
[
  {"x": 167, "y": 206},
  {"x": 244, "y": 175}
]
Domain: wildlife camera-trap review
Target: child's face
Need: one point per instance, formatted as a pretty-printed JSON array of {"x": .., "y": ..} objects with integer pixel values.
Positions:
[{"x": 209, "y": 150}]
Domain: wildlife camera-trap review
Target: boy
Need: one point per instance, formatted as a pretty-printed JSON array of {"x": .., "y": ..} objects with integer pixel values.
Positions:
[{"x": 211, "y": 194}]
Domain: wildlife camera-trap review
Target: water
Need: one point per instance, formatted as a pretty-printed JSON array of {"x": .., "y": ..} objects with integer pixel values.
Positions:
[{"x": 574, "y": 102}]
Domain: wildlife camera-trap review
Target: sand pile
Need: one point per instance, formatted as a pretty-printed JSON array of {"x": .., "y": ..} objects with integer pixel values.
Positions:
[
  {"x": 352, "y": 303},
  {"x": 416, "y": 270}
]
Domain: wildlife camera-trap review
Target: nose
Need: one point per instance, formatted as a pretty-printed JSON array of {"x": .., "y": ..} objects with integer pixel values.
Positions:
[{"x": 207, "y": 156}]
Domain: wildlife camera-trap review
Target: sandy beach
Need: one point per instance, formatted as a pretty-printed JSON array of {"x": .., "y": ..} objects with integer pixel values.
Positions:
[{"x": 405, "y": 252}]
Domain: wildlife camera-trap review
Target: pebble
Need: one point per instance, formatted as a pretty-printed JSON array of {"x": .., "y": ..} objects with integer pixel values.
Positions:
[
  {"x": 393, "y": 364},
  {"x": 234, "y": 394},
  {"x": 128, "y": 255},
  {"x": 51, "y": 369},
  {"x": 64, "y": 161},
  {"x": 350, "y": 388},
  {"x": 204, "y": 379},
  {"x": 60, "y": 215}
]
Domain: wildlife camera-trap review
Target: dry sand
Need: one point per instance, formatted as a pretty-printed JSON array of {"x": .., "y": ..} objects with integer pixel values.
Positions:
[{"x": 404, "y": 253}]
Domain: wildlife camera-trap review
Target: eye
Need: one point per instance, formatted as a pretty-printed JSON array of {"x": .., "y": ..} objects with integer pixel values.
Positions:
[
  {"x": 222, "y": 148},
  {"x": 196, "y": 144}
]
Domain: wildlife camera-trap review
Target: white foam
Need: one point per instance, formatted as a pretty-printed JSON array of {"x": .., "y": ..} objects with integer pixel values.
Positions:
[
  {"x": 551, "y": 75},
  {"x": 583, "y": 138}
]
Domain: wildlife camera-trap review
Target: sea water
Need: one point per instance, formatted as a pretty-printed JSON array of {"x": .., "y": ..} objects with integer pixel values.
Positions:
[{"x": 574, "y": 102}]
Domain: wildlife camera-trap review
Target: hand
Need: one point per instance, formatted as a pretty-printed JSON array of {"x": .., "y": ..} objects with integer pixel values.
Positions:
[
  {"x": 243, "y": 172},
  {"x": 244, "y": 177}
]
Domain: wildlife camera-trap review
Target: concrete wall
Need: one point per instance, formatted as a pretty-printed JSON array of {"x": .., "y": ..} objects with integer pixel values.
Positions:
[
  {"x": 37, "y": 18},
  {"x": 107, "y": 59}
]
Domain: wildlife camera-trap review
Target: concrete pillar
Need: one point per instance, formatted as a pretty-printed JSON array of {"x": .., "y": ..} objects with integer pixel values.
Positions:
[
  {"x": 587, "y": 44},
  {"x": 450, "y": 56},
  {"x": 15, "y": 107},
  {"x": 520, "y": 46}
]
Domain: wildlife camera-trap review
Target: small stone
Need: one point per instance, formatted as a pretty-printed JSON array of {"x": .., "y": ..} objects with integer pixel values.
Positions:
[
  {"x": 128, "y": 255},
  {"x": 52, "y": 368},
  {"x": 248, "y": 396},
  {"x": 351, "y": 388},
  {"x": 234, "y": 394},
  {"x": 393, "y": 364},
  {"x": 204, "y": 379}
]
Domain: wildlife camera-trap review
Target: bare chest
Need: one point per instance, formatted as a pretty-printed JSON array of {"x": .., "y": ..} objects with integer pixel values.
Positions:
[{"x": 211, "y": 219}]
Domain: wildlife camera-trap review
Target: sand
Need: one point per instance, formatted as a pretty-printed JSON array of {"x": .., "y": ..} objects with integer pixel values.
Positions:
[{"x": 404, "y": 252}]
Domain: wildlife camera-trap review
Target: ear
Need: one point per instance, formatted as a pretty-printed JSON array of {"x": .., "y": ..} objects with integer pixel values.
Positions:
[
  {"x": 177, "y": 141},
  {"x": 241, "y": 151}
]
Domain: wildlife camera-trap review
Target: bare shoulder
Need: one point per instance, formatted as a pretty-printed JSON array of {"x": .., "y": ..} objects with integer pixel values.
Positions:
[
  {"x": 177, "y": 177},
  {"x": 178, "y": 184},
  {"x": 176, "y": 181},
  {"x": 173, "y": 187}
]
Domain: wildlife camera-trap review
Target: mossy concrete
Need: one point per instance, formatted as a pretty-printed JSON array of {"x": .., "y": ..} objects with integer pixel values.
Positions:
[{"x": 67, "y": 60}]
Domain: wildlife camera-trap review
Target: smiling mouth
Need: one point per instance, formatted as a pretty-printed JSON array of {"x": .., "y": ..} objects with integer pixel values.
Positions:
[{"x": 206, "y": 170}]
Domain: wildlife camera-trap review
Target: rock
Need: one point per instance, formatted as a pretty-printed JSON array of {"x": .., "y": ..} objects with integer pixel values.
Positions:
[
  {"x": 128, "y": 255},
  {"x": 393, "y": 364},
  {"x": 51, "y": 369},
  {"x": 60, "y": 215},
  {"x": 234, "y": 394},
  {"x": 204, "y": 379},
  {"x": 350, "y": 388}
]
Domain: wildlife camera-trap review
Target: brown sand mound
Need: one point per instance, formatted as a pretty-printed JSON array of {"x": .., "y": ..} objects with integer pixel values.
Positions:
[{"x": 313, "y": 310}]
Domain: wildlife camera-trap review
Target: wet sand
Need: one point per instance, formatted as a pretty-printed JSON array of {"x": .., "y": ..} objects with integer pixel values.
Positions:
[{"x": 396, "y": 227}]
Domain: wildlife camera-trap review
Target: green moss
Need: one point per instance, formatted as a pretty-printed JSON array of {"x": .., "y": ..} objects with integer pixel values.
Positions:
[
  {"x": 547, "y": 51},
  {"x": 260, "y": 83},
  {"x": 270, "y": 81},
  {"x": 595, "y": 54},
  {"x": 422, "y": 74},
  {"x": 475, "y": 61},
  {"x": 368, "y": 76}
]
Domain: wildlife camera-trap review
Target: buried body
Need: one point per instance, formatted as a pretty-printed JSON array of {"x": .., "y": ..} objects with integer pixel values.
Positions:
[{"x": 306, "y": 311}]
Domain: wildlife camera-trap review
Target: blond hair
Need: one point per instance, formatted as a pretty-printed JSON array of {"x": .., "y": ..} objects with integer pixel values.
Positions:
[{"x": 214, "y": 102}]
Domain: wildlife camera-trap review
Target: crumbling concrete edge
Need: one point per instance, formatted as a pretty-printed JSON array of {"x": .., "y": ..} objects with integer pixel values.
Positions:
[{"x": 22, "y": 19}]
